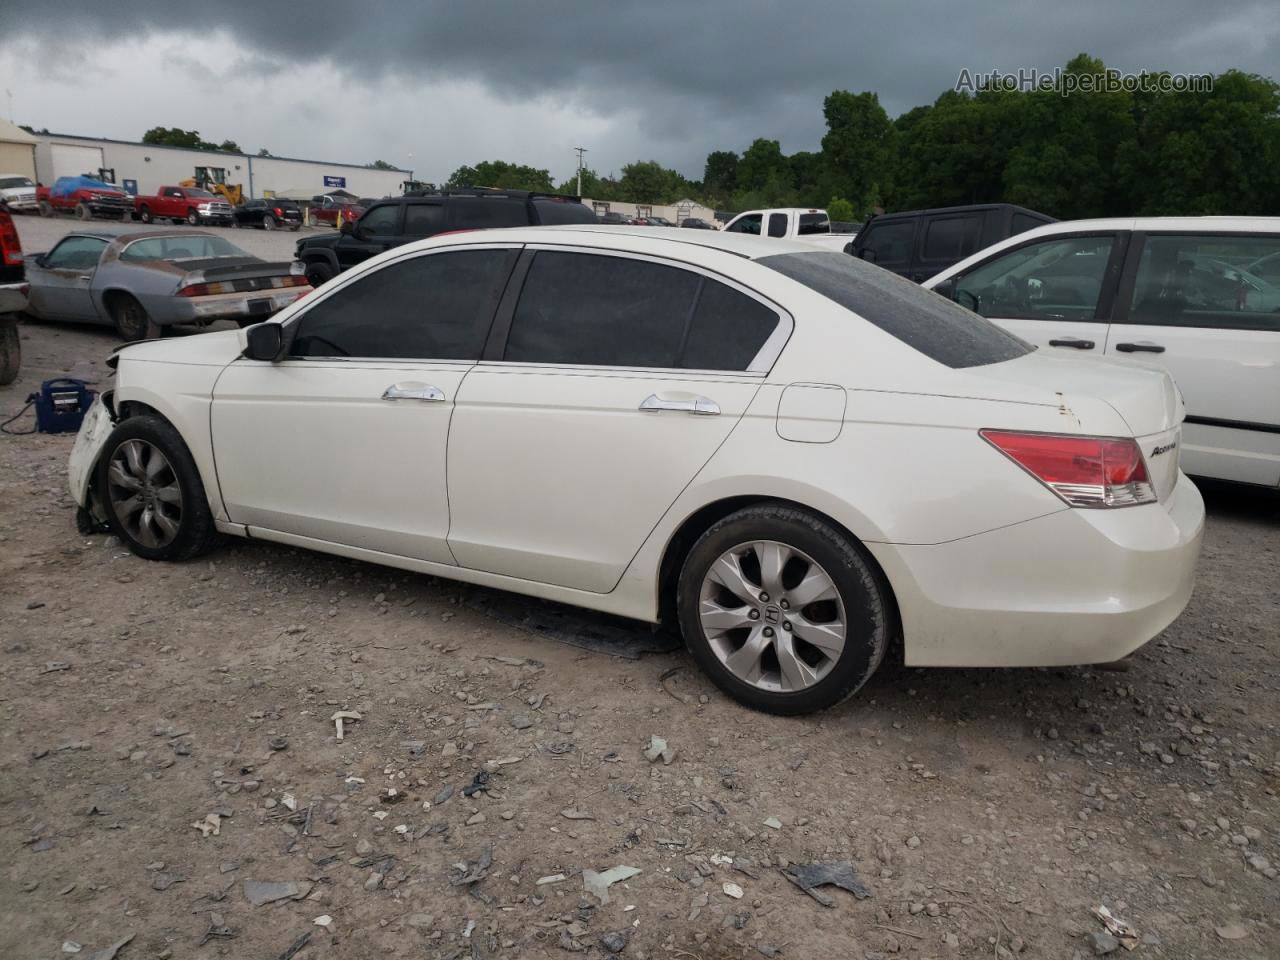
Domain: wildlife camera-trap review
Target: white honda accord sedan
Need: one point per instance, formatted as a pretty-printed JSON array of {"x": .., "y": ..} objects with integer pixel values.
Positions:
[{"x": 798, "y": 457}]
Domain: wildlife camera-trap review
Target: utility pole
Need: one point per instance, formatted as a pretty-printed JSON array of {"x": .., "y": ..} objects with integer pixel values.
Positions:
[{"x": 581, "y": 151}]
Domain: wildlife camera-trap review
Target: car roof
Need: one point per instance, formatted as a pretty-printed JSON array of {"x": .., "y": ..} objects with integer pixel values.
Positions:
[
  {"x": 745, "y": 245},
  {"x": 966, "y": 208}
]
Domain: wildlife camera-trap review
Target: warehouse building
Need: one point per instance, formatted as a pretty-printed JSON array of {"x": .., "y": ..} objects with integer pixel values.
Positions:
[
  {"x": 142, "y": 168},
  {"x": 17, "y": 151}
]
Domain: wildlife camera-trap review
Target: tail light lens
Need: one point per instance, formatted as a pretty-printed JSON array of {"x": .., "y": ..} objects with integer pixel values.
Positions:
[
  {"x": 229, "y": 286},
  {"x": 10, "y": 246},
  {"x": 1083, "y": 471}
]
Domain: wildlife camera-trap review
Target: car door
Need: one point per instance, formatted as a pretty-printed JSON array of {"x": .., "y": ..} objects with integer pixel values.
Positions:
[
  {"x": 888, "y": 244},
  {"x": 610, "y": 381},
  {"x": 947, "y": 239},
  {"x": 344, "y": 440},
  {"x": 61, "y": 279},
  {"x": 1206, "y": 308},
  {"x": 376, "y": 232},
  {"x": 1054, "y": 291}
]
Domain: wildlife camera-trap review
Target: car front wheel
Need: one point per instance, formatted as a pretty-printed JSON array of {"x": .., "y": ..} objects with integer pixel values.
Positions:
[
  {"x": 193, "y": 218},
  {"x": 144, "y": 215},
  {"x": 268, "y": 223},
  {"x": 318, "y": 272},
  {"x": 782, "y": 611},
  {"x": 152, "y": 493}
]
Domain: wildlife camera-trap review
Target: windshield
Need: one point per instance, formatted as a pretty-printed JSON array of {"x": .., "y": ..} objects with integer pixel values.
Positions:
[
  {"x": 920, "y": 318},
  {"x": 8, "y": 183},
  {"x": 179, "y": 247}
]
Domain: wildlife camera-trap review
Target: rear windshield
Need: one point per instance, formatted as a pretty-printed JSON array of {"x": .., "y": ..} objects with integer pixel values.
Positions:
[
  {"x": 563, "y": 211},
  {"x": 932, "y": 324}
]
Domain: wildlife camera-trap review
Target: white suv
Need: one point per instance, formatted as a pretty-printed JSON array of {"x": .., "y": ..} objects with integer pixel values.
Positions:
[{"x": 1197, "y": 296}]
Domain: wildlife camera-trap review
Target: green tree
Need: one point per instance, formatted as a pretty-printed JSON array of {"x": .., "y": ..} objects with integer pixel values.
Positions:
[
  {"x": 858, "y": 147},
  {"x": 380, "y": 165},
  {"x": 191, "y": 139},
  {"x": 594, "y": 186},
  {"x": 264, "y": 152},
  {"x": 502, "y": 175},
  {"x": 647, "y": 181},
  {"x": 720, "y": 174},
  {"x": 838, "y": 208}
]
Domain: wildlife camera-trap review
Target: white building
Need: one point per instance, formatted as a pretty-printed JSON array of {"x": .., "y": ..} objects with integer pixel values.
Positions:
[
  {"x": 17, "y": 156},
  {"x": 675, "y": 212},
  {"x": 142, "y": 168}
]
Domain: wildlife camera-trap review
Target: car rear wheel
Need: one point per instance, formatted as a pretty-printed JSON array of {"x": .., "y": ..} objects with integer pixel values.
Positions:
[
  {"x": 193, "y": 218},
  {"x": 46, "y": 208},
  {"x": 152, "y": 493},
  {"x": 132, "y": 320},
  {"x": 10, "y": 350},
  {"x": 318, "y": 272},
  {"x": 145, "y": 215},
  {"x": 782, "y": 611},
  {"x": 83, "y": 212},
  {"x": 268, "y": 222}
]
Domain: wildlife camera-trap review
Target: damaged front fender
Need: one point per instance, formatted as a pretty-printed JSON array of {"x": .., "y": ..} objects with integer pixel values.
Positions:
[{"x": 99, "y": 421}]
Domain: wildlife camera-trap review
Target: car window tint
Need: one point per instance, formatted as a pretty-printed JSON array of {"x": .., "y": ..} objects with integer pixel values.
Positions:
[
  {"x": 777, "y": 224},
  {"x": 562, "y": 211},
  {"x": 919, "y": 318},
  {"x": 747, "y": 224},
  {"x": 483, "y": 213},
  {"x": 76, "y": 253},
  {"x": 951, "y": 238},
  {"x": 423, "y": 219},
  {"x": 382, "y": 220},
  {"x": 889, "y": 243},
  {"x": 1021, "y": 222},
  {"x": 433, "y": 307},
  {"x": 178, "y": 247},
  {"x": 578, "y": 308},
  {"x": 1203, "y": 281},
  {"x": 813, "y": 223},
  {"x": 1056, "y": 279},
  {"x": 728, "y": 329}
]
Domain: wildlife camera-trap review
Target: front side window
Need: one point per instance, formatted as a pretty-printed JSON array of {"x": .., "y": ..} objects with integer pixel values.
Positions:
[
  {"x": 1056, "y": 279},
  {"x": 76, "y": 253},
  {"x": 748, "y": 224},
  {"x": 590, "y": 309},
  {"x": 433, "y": 307},
  {"x": 889, "y": 243},
  {"x": 777, "y": 224},
  {"x": 381, "y": 220},
  {"x": 1203, "y": 281}
]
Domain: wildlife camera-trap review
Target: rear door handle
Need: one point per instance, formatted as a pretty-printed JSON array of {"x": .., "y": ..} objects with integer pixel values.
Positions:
[
  {"x": 700, "y": 406},
  {"x": 413, "y": 391},
  {"x": 1073, "y": 342},
  {"x": 1142, "y": 346}
]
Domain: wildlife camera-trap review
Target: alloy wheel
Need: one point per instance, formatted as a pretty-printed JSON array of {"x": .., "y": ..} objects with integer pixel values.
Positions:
[
  {"x": 144, "y": 492},
  {"x": 773, "y": 616}
]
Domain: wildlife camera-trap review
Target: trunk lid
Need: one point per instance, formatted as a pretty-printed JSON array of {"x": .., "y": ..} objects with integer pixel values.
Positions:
[{"x": 246, "y": 271}]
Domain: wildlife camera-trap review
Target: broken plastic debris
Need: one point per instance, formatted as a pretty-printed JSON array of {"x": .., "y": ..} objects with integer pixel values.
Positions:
[
  {"x": 809, "y": 876},
  {"x": 553, "y": 878},
  {"x": 258, "y": 892},
  {"x": 773, "y": 822},
  {"x": 338, "y": 717},
  {"x": 598, "y": 884},
  {"x": 290, "y": 801},
  {"x": 324, "y": 920},
  {"x": 658, "y": 748},
  {"x": 109, "y": 953},
  {"x": 211, "y": 825},
  {"x": 1122, "y": 931}
]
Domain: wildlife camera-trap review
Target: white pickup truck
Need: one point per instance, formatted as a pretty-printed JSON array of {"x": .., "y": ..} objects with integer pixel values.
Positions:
[{"x": 795, "y": 223}]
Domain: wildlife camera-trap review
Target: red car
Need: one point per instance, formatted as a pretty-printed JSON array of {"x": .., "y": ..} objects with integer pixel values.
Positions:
[
  {"x": 85, "y": 197},
  {"x": 183, "y": 204},
  {"x": 325, "y": 209}
]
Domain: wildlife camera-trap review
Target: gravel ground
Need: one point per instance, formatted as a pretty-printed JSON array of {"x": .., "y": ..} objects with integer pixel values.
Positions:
[{"x": 169, "y": 761}]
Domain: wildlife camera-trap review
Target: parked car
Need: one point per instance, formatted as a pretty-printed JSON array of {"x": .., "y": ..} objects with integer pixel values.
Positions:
[
  {"x": 13, "y": 296},
  {"x": 811, "y": 226},
  {"x": 268, "y": 214},
  {"x": 189, "y": 205},
  {"x": 1186, "y": 295},
  {"x": 696, "y": 223},
  {"x": 658, "y": 221},
  {"x": 613, "y": 219},
  {"x": 921, "y": 243},
  {"x": 143, "y": 282},
  {"x": 400, "y": 220},
  {"x": 85, "y": 197},
  {"x": 18, "y": 192},
  {"x": 796, "y": 457},
  {"x": 325, "y": 209}
]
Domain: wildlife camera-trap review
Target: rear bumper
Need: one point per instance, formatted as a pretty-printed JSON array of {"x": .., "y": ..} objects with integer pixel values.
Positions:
[
  {"x": 1073, "y": 587},
  {"x": 231, "y": 306}
]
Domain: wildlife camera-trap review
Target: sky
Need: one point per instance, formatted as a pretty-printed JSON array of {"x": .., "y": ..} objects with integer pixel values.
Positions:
[{"x": 430, "y": 85}]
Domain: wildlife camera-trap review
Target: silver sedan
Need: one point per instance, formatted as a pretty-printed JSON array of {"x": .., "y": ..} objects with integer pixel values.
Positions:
[{"x": 144, "y": 281}]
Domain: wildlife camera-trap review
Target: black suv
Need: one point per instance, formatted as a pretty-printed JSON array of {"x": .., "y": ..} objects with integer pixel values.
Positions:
[
  {"x": 920, "y": 243},
  {"x": 424, "y": 213}
]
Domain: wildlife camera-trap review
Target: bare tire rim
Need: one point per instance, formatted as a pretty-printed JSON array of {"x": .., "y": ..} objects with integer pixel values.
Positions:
[
  {"x": 773, "y": 616},
  {"x": 133, "y": 321},
  {"x": 145, "y": 494}
]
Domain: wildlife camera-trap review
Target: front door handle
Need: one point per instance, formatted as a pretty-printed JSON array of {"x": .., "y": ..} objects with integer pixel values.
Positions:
[
  {"x": 413, "y": 391},
  {"x": 1142, "y": 346},
  {"x": 90, "y": 277},
  {"x": 700, "y": 406},
  {"x": 1073, "y": 342}
]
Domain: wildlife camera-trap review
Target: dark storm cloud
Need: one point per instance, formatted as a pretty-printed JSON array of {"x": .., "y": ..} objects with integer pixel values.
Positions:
[{"x": 697, "y": 75}]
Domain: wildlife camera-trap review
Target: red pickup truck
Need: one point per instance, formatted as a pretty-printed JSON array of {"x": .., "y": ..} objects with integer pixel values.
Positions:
[
  {"x": 325, "y": 209},
  {"x": 183, "y": 205},
  {"x": 85, "y": 197}
]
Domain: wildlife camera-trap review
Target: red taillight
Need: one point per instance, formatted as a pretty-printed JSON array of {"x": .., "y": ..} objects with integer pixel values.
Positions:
[
  {"x": 1083, "y": 471},
  {"x": 10, "y": 246},
  {"x": 278, "y": 211}
]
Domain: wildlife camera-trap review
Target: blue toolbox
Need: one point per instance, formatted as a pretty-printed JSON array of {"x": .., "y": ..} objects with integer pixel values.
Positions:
[{"x": 61, "y": 404}]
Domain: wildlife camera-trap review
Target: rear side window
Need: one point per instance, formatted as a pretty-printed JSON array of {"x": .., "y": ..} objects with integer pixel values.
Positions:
[
  {"x": 888, "y": 243},
  {"x": 1205, "y": 281},
  {"x": 929, "y": 323},
  {"x": 813, "y": 223},
  {"x": 594, "y": 310},
  {"x": 434, "y": 307},
  {"x": 1021, "y": 222},
  {"x": 483, "y": 213},
  {"x": 777, "y": 224},
  {"x": 423, "y": 219},
  {"x": 562, "y": 211},
  {"x": 951, "y": 238}
]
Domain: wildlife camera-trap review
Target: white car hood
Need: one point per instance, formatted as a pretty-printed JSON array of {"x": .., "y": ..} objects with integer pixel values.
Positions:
[{"x": 204, "y": 349}]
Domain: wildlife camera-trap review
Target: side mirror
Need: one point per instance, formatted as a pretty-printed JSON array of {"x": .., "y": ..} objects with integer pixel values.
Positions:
[
  {"x": 264, "y": 342},
  {"x": 347, "y": 228},
  {"x": 947, "y": 288},
  {"x": 38, "y": 259}
]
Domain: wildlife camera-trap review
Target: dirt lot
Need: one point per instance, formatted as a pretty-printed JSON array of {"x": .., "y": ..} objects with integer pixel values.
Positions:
[{"x": 167, "y": 750}]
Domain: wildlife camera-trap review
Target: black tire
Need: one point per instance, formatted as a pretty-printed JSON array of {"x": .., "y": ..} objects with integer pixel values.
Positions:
[
  {"x": 131, "y": 319},
  {"x": 195, "y": 530},
  {"x": 318, "y": 272},
  {"x": 46, "y": 208},
  {"x": 268, "y": 222},
  {"x": 296, "y": 227},
  {"x": 869, "y": 616},
  {"x": 145, "y": 214},
  {"x": 193, "y": 218},
  {"x": 10, "y": 350},
  {"x": 83, "y": 212}
]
